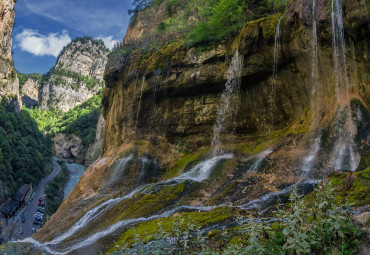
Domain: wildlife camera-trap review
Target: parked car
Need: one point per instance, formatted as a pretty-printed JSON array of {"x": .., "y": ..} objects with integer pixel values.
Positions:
[
  {"x": 42, "y": 204},
  {"x": 41, "y": 209},
  {"x": 23, "y": 219},
  {"x": 34, "y": 230},
  {"x": 37, "y": 222},
  {"x": 38, "y": 216},
  {"x": 41, "y": 199}
]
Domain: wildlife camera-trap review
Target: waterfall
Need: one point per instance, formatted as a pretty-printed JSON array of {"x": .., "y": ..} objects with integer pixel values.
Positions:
[
  {"x": 229, "y": 99},
  {"x": 139, "y": 107},
  {"x": 314, "y": 74},
  {"x": 133, "y": 101},
  {"x": 259, "y": 160},
  {"x": 203, "y": 170},
  {"x": 339, "y": 49},
  {"x": 310, "y": 160},
  {"x": 344, "y": 154},
  {"x": 158, "y": 79},
  {"x": 275, "y": 67}
]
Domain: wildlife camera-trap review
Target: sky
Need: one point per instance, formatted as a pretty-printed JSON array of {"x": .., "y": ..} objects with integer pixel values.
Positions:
[{"x": 43, "y": 27}]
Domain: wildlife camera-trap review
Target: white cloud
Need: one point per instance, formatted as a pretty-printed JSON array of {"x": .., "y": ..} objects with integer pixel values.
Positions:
[
  {"x": 41, "y": 45},
  {"x": 108, "y": 41},
  {"x": 94, "y": 17}
]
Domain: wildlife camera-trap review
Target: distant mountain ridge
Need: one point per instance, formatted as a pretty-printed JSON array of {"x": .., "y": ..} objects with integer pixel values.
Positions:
[{"x": 76, "y": 77}]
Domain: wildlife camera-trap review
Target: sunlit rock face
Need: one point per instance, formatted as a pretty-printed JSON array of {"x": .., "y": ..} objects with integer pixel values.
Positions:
[
  {"x": 8, "y": 78},
  {"x": 30, "y": 93},
  {"x": 77, "y": 76}
]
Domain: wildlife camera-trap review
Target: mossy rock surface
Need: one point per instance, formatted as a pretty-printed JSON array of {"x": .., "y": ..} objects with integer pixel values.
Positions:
[
  {"x": 355, "y": 187},
  {"x": 147, "y": 230}
]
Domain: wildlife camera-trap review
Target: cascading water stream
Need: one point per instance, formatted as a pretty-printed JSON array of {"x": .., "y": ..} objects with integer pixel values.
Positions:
[
  {"x": 344, "y": 156},
  {"x": 259, "y": 160},
  {"x": 139, "y": 107},
  {"x": 315, "y": 140},
  {"x": 314, "y": 72},
  {"x": 339, "y": 49},
  {"x": 198, "y": 173},
  {"x": 275, "y": 67},
  {"x": 230, "y": 99}
]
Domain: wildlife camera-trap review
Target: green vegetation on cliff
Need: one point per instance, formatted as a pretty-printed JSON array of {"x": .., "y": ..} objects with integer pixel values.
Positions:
[
  {"x": 321, "y": 225},
  {"x": 80, "y": 120},
  {"x": 24, "y": 77},
  {"x": 203, "y": 23},
  {"x": 61, "y": 74},
  {"x": 24, "y": 150}
]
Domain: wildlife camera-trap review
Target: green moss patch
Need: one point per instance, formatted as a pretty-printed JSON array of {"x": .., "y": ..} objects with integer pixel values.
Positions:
[
  {"x": 354, "y": 187},
  {"x": 186, "y": 161},
  {"x": 147, "y": 229}
]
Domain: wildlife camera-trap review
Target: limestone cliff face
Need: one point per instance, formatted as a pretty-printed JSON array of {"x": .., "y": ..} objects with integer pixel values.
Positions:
[
  {"x": 164, "y": 105},
  {"x": 77, "y": 76},
  {"x": 8, "y": 77},
  {"x": 146, "y": 22},
  {"x": 30, "y": 92},
  {"x": 94, "y": 149},
  {"x": 68, "y": 147}
]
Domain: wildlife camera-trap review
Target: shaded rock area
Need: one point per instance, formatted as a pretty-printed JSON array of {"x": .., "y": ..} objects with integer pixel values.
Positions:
[
  {"x": 68, "y": 147},
  {"x": 94, "y": 149}
]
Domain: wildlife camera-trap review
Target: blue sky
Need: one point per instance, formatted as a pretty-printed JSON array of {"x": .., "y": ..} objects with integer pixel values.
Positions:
[{"x": 43, "y": 27}]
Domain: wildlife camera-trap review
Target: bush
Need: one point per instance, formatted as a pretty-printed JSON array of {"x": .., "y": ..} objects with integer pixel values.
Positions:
[
  {"x": 80, "y": 120},
  {"x": 319, "y": 227}
]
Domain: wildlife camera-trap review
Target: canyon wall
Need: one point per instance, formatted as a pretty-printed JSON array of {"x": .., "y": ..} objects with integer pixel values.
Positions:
[
  {"x": 77, "y": 75},
  {"x": 8, "y": 77},
  {"x": 167, "y": 105}
]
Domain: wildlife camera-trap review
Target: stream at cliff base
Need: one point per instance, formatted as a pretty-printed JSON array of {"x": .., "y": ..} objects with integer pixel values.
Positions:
[{"x": 75, "y": 173}]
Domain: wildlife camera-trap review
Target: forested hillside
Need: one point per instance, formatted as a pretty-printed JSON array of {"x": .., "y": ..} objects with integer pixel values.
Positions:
[{"x": 24, "y": 151}]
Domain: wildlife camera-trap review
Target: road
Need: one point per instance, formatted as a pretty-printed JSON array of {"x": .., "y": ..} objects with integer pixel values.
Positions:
[{"x": 31, "y": 209}]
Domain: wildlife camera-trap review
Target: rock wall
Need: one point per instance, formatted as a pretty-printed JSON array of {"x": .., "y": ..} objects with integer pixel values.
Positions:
[
  {"x": 163, "y": 105},
  {"x": 30, "y": 93},
  {"x": 77, "y": 76},
  {"x": 94, "y": 149},
  {"x": 9, "y": 85},
  {"x": 68, "y": 147}
]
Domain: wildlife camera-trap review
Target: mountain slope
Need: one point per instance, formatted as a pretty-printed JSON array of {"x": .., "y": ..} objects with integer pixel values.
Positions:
[{"x": 77, "y": 75}]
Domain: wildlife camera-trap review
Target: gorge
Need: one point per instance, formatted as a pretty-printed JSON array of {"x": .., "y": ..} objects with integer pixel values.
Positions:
[{"x": 203, "y": 132}]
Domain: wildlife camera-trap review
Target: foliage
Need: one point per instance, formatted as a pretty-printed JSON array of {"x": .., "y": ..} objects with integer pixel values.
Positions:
[
  {"x": 12, "y": 249},
  {"x": 81, "y": 120},
  {"x": 183, "y": 237},
  {"x": 320, "y": 227},
  {"x": 53, "y": 190},
  {"x": 23, "y": 150},
  {"x": 78, "y": 78},
  {"x": 218, "y": 20},
  {"x": 24, "y": 77},
  {"x": 201, "y": 23}
]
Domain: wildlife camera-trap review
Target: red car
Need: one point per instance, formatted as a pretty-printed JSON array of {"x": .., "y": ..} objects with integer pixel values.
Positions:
[{"x": 42, "y": 203}]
